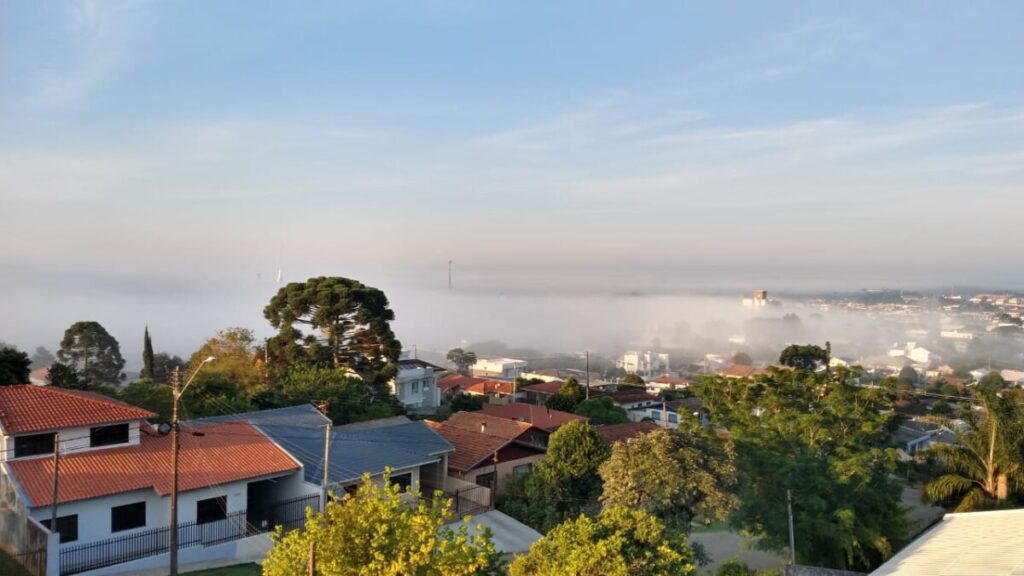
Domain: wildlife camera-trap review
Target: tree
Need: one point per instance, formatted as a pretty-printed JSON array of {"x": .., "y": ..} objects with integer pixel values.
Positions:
[
  {"x": 462, "y": 359},
  {"x": 632, "y": 380},
  {"x": 93, "y": 353},
  {"x": 908, "y": 376},
  {"x": 985, "y": 467},
  {"x": 349, "y": 399},
  {"x": 147, "y": 355},
  {"x": 42, "y": 358},
  {"x": 463, "y": 402},
  {"x": 235, "y": 354},
  {"x": 803, "y": 357},
  {"x": 742, "y": 359},
  {"x": 379, "y": 531},
  {"x": 164, "y": 365},
  {"x": 678, "y": 476},
  {"x": 14, "y": 366},
  {"x": 602, "y": 410},
  {"x": 349, "y": 325},
  {"x": 993, "y": 381},
  {"x": 618, "y": 542},
  {"x": 63, "y": 376}
]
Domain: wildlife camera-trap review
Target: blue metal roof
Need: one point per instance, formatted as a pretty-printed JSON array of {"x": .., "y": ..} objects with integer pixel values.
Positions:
[{"x": 372, "y": 446}]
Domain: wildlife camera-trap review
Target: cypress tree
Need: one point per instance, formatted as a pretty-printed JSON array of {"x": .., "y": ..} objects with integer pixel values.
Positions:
[{"x": 147, "y": 356}]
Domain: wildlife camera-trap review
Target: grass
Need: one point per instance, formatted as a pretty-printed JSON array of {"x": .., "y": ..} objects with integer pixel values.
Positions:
[
  {"x": 8, "y": 567},
  {"x": 239, "y": 570}
]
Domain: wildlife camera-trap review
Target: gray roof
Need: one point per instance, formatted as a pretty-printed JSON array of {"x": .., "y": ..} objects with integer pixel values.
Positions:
[{"x": 371, "y": 446}]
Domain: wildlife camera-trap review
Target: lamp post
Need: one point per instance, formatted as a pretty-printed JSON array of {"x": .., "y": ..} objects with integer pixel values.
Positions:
[{"x": 176, "y": 393}]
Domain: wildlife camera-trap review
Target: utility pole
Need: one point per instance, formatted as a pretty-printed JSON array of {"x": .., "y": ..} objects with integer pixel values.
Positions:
[
  {"x": 327, "y": 467},
  {"x": 449, "y": 274},
  {"x": 56, "y": 476},
  {"x": 664, "y": 413},
  {"x": 173, "y": 536},
  {"x": 588, "y": 374},
  {"x": 792, "y": 540}
]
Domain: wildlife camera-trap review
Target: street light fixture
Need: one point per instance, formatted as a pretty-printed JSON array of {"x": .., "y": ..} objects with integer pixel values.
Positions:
[{"x": 176, "y": 393}]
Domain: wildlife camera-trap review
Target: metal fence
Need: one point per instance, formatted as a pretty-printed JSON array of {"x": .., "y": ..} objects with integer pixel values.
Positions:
[{"x": 290, "y": 514}]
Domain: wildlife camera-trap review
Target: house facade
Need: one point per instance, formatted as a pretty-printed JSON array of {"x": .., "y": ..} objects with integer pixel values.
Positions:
[
  {"x": 504, "y": 368},
  {"x": 645, "y": 364},
  {"x": 416, "y": 384},
  {"x": 487, "y": 459}
]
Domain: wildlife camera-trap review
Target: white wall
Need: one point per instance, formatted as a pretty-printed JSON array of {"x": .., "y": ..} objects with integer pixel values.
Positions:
[{"x": 72, "y": 441}]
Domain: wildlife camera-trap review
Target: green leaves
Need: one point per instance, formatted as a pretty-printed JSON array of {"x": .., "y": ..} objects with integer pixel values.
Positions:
[
  {"x": 14, "y": 366},
  {"x": 94, "y": 354}
]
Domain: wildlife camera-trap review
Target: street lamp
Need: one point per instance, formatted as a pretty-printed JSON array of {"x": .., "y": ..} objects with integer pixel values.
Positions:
[{"x": 176, "y": 393}]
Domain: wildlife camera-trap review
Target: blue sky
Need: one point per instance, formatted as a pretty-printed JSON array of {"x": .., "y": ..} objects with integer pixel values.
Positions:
[{"x": 176, "y": 150}]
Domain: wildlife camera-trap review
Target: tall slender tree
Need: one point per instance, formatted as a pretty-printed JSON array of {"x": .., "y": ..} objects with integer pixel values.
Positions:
[{"x": 147, "y": 356}]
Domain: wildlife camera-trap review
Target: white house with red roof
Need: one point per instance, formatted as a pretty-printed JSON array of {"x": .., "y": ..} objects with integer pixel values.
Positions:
[{"x": 113, "y": 480}]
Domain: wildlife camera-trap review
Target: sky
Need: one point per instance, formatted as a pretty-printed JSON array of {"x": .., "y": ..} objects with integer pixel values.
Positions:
[{"x": 161, "y": 161}]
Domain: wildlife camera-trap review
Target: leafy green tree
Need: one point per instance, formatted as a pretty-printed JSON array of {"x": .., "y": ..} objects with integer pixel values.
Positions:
[
  {"x": 164, "y": 365},
  {"x": 742, "y": 359},
  {"x": 803, "y": 356},
  {"x": 348, "y": 398},
  {"x": 986, "y": 466},
  {"x": 570, "y": 394},
  {"x": 942, "y": 408},
  {"x": 733, "y": 568},
  {"x": 827, "y": 441},
  {"x": 93, "y": 353},
  {"x": 618, "y": 542},
  {"x": 147, "y": 355},
  {"x": 463, "y": 402},
  {"x": 463, "y": 360},
  {"x": 632, "y": 380},
  {"x": 993, "y": 381},
  {"x": 42, "y": 358},
  {"x": 348, "y": 322},
  {"x": 14, "y": 366},
  {"x": 235, "y": 354},
  {"x": 615, "y": 373},
  {"x": 64, "y": 376},
  {"x": 380, "y": 531},
  {"x": 908, "y": 376},
  {"x": 678, "y": 476},
  {"x": 602, "y": 410}
]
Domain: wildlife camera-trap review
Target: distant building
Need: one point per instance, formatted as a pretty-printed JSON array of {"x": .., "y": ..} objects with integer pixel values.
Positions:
[
  {"x": 759, "y": 300},
  {"x": 416, "y": 384},
  {"x": 662, "y": 383},
  {"x": 644, "y": 364},
  {"x": 506, "y": 368}
]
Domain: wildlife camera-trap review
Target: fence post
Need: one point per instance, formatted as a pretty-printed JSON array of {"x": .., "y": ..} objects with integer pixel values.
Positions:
[{"x": 53, "y": 554}]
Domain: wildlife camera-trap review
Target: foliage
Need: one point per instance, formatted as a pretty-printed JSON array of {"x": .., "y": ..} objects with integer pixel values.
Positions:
[
  {"x": 235, "y": 360},
  {"x": 560, "y": 402},
  {"x": 942, "y": 408},
  {"x": 463, "y": 402},
  {"x": 733, "y": 568},
  {"x": 63, "y": 376},
  {"x": 803, "y": 356},
  {"x": 377, "y": 532},
  {"x": 14, "y": 366},
  {"x": 826, "y": 440},
  {"x": 42, "y": 358},
  {"x": 615, "y": 373},
  {"x": 164, "y": 365},
  {"x": 93, "y": 353},
  {"x": 570, "y": 394},
  {"x": 618, "y": 542},
  {"x": 986, "y": 466},
  {"x": 742, "y": 359},
  {"x": 679, "y": 476},
  {"x": 993, "y": 381},
  {"x": 463, "y": 360},
  {"x": 147, "y": 355},
  {"x": 348, "y": 398},
  {"x": 348, "y": 323},
  {"x": 632, "y": 380},
  {"x": 908, "y": 376},
  {"x": 602, "y": 410}
]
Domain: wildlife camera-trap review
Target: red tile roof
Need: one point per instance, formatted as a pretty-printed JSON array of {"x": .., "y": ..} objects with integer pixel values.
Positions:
[
  {"x": 447, "y": 383},
  {"x": 471, "y": 448},
  {"x": 491, "y": 388},
  {"x": 544, "y": 388},
  {"x": 616, "y": 432},
  {"x": 540, "y": 416},
  {"x": 671, "y": 381},
  {"x": 228, "y": 452},
  {"x": 27, "y": 408},
  {"x": 740, "y": 371},
  {"x": 488, "y": 424}
]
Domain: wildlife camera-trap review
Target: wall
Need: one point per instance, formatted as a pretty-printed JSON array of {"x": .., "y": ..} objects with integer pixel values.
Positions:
[
  {"x": 251, "y": 549},
  {"x": 402, "y": 386},
  {"x": 72, "y": 441}
]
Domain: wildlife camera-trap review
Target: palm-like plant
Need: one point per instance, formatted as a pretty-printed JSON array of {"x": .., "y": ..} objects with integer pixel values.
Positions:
[{"x": 986, "y": 464}]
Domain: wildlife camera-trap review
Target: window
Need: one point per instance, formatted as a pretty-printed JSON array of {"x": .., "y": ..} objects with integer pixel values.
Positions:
[
  {"x": 108, "y": 435},
  {"x": 127, "y": 517},
  {"x": 522, "y": 470},
  {"x": 426, "y": 385},
  {"x": 673, "y": 417},
  {"x": 403, "y": 481},
  {"x": 211, "y": 510},
  {"x": 33, "y": 445},
  {"x": 485, "y": 480},
  {"x": 416, "y": 387},
  {"x": 67, "y": 526}
]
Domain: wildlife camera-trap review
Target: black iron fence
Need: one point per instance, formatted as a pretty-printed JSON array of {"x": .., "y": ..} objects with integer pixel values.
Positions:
[{"x": 289, "y": 514}]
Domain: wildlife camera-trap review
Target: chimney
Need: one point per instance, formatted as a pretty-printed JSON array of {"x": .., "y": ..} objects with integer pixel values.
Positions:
[{"x": 483, "y": 427}]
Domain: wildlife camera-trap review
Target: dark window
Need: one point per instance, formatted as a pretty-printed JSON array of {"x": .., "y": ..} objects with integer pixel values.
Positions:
[
  {"x": 127, "y": 517},
  {"x": 522, "y": 470},
  {"x": 108, "y": 435},
  {"x": 33, "y": 445},
  {"x": 211, "y": 510},
  {"x": 67, "y": 526},
  {"x": 485, "y": 480},
  {"x": 403, "y": 481}
]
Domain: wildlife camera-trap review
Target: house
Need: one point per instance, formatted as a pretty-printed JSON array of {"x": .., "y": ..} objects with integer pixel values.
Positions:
[
  {"x": 510, "y": 429},
  {"x": 539, "y": 393},
  {"x": 662, "y": 383},
  {"x": 416, "y": 384},
  {"x": 485, "y": 458},
  {"x": 538, "y": 416},
  {"x": 976, "y": 543},
  {"x": 114, "y": 480},
  {"x": 645, "y": 364},
  {"x": 505, "y": 368},
  {"x": 613, "y": 433},
  {"x": 454, "y": 384},
  {"x": 674, "y": 412},
  {"x": 630, "y": 399},
  {"x": 1013, "y": 377},
  {"x": 496, "y": 391},
  {"x": 914, "y": 436}
]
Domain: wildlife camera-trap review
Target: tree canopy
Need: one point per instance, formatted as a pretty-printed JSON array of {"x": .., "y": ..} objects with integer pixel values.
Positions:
[
  {"x": 678, "y": 475},
  {"x": 602, "y": 410},
  {"x": 803, "y": 356},
  {"x": 742, "y": 359},
  {"x": 147, "y": 355},
  {"x": 378, "y": 531},
  {"x": 346, "y": 323},
  {"x": 93, "y": 353},
  {"x": 463, "y": 360},
  {"x": 618, "y": 542},
  {"x": 570, "y": 394},
  {"x": 14, "y": 366}
]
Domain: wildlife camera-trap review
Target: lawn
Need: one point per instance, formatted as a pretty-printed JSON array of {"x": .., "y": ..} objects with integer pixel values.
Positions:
[
  {"x": 239, "y": 570},
  {"x": 8, "y": 567}
]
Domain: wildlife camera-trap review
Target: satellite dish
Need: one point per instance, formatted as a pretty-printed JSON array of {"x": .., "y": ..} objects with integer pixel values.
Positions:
[{"x": 164, "y": 428}]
